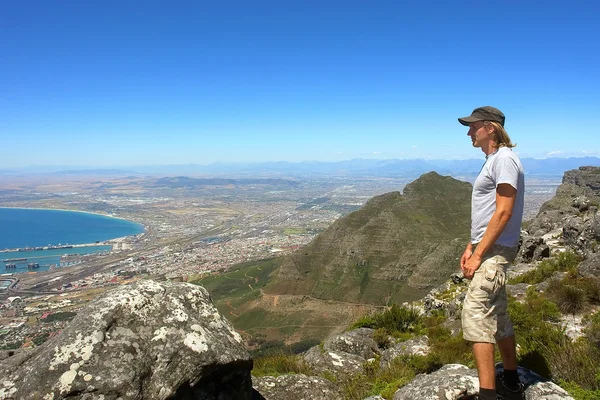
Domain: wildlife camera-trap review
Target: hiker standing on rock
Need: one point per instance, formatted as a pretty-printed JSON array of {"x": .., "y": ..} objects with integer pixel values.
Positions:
[{"x": 496, "y": 215}]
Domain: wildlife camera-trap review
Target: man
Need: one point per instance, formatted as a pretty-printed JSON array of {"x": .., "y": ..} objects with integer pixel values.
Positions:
[{"x": 496, "y": 215}]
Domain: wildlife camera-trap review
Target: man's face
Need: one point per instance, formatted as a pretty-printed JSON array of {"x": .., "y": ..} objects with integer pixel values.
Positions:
[{"x": 478, "y": 133}]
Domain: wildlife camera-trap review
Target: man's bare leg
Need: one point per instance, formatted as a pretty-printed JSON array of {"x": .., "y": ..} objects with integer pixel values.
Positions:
[
  {"x": 508, "y": 351},
  {"x": 484, "y": 358}
]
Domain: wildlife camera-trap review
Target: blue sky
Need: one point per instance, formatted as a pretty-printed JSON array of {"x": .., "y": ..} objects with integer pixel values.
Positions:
[{"x": 138, "y": 83}]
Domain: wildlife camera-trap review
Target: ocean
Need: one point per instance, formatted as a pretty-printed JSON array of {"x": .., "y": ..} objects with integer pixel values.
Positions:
[{"x": 22, "y": 227}]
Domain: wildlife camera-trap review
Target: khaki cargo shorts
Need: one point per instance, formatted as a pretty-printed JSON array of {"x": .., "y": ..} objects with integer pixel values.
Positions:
[{"x": 484, "y": 315}]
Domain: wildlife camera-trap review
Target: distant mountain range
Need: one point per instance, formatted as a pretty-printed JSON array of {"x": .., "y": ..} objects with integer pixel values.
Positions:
[{"x": 355, "y": 167}]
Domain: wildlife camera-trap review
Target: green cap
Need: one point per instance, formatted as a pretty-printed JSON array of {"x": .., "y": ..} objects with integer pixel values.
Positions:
[{"x": 486, "y": 113}]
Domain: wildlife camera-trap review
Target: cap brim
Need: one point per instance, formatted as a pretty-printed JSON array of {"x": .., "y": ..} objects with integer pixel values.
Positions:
[{"x": 466, "y": 121}]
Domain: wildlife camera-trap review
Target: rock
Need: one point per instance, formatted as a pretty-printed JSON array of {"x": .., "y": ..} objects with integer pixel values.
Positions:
[
  {"x": 455, "y": 381},
  {"x": 548, "y": 221},
  {"x": 148, "y": 340},
  {"x": 590, "y": 267},
  {"x": 415, "y": 346},
  {"x": 518, "y": 291},
  {"x": 528, "y": 248},
  {"x": 581, "y": 203},
  {"x": 357, "y": 341},
  {"x": 572, "y": 230},
  {"x": 519, "y": 269},
  {"x": 321, "y": 361},
  {"x": 541, "y": 252},
  {"x": 378, "y": 397},
  {"x": 450, "y": 382},
  {"x": 587, "y": 177},
  {"x": 295, "y": 387},
  {"x": 457, "y": 278}
]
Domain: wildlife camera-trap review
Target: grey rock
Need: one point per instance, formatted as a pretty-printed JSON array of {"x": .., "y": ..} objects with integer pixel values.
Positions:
[
  {"x": 590, "y": 267},
  {"x": 519, "y": 269},
  {"x": 572, "y": 230},
  {"x": 295, "y": 387},
  {"x": 528, "y": 249},
  {"x": 415, "y": 346},
  {"x": 518, "y": 291},
  {"x": 321, "y": 361},
  {"x": 450, "y": 382},
  {"x": 358, "y": 342},
  {"x": 148, "y": 340},
  {"x": 581, "y": 203},
  {"x": 548, "y": 221},
  {"x": 455, "y": 381},
  {"x": 378, "y": 397}
]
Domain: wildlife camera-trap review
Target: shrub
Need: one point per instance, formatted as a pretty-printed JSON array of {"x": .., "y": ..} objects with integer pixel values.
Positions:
[
  {"x": 280, "y": 364},
  {"x": 394, "y": 320},
  {"x": 570, "y": 299},
  {"x": 59, "y": 316},
  {"x": 579, "y": 393},
  {"x": 593, "y": 330},
  {"x": 382, "y": 338},
  {"x": 564, "y": 261},
  {"x": 577, "y": 362}
]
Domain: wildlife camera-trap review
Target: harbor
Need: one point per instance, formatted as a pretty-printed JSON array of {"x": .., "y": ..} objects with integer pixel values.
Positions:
[{"x": 34, "y": 260}]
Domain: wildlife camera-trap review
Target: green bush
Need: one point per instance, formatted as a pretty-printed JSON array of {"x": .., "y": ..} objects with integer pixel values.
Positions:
[
  {"x": 382, "y": 338},
  {"x": 593, "y": 330},
  {"x": 577, "y": 362},
  {"x": 564, "y": 261},
  {"x": 570, "y": 299},
  {"x": 280, "y": 364},
  {"x": 59, "y": 316},
  {"x": 579, "y": 393},
  {"x": 394, "y": 320}
]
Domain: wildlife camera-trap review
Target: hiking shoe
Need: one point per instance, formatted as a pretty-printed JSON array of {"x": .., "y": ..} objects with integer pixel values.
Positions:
[{"x": 509, "y": 392}]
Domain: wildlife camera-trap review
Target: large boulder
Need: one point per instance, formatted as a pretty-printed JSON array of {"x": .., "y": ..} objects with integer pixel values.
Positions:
[
  {"x": 146, "y": 341},
  {"x": 322, "y": 361},
  {"x": 357, "y": 341},
  {"x": 415, "y": 346},
  {"x": 590, "y": 267},
  {"x": 295, "y": 387},
  {"x": 451, "y": 382}
]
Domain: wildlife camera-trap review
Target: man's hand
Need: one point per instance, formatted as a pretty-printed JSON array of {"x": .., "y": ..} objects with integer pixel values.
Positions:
[
  {"x": 466, "y": 255},
  {"x": 471, "y": 265}
]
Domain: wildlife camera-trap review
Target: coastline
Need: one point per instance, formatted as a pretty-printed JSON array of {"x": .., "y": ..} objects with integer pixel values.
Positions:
[{"x": 108, "y": 242}]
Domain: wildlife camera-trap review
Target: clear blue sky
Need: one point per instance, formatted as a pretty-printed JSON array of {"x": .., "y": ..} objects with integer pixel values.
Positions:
[{"x": 106, "y": 83}]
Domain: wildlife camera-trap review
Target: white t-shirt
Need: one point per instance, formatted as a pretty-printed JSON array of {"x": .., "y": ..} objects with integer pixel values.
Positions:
[{"x": 502, "y": 166}]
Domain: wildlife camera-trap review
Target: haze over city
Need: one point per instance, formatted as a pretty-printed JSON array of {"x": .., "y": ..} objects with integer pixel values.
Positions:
[{"x": 122, "y": 84}]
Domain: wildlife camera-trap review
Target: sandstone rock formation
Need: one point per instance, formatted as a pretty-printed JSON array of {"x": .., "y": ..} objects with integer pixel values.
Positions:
[{"x": 146, "y": 341}]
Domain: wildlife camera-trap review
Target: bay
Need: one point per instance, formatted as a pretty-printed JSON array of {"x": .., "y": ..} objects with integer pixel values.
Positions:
[{"x": 27, "y": 228}]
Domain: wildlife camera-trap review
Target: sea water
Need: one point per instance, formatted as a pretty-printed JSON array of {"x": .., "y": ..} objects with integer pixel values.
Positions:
[{"x": 27, "y": 228}]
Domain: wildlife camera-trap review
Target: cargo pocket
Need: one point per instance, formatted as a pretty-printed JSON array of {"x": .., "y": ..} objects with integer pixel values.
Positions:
[{"x": 489, "y": 280}]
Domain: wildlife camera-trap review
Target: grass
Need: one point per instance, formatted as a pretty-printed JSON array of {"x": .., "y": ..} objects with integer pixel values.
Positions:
[
  {"x": 280, "y": 364},
  {"x": 395, "y": 320},
  {"x": 564, "y": 261}
]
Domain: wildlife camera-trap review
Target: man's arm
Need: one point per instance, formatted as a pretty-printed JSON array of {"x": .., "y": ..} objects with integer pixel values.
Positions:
[{"x": 505, "y": 200}]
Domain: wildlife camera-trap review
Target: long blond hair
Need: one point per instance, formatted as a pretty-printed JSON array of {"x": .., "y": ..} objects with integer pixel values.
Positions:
[{"x": 501, "y": 138}]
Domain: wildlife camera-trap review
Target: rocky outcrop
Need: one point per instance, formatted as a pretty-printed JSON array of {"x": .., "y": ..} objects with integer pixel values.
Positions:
[
  {"x": 295, "y": 387},
  {"x": 146, "y": 341},
  {"x": 533, "y": 249},
  {"x": 455, "y": 381},
  {"x": 451, "y": 382},
  {"x": 415, "y": 346}
]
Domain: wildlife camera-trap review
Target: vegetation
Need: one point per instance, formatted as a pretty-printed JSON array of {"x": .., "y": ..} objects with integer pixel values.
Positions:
[
  {"x": 59, "y": 316},
  {"x": 564, "y": 261},
  {"x": 395, "y": 321},
  {"x": 280, "y": 364}
]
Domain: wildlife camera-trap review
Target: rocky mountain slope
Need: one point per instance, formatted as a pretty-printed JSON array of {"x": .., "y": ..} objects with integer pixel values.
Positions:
[{"x": 395, "y": 248}]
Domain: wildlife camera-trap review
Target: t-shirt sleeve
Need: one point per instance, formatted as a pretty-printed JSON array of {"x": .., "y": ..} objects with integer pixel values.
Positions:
[{"x": 506, "y": 170}]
